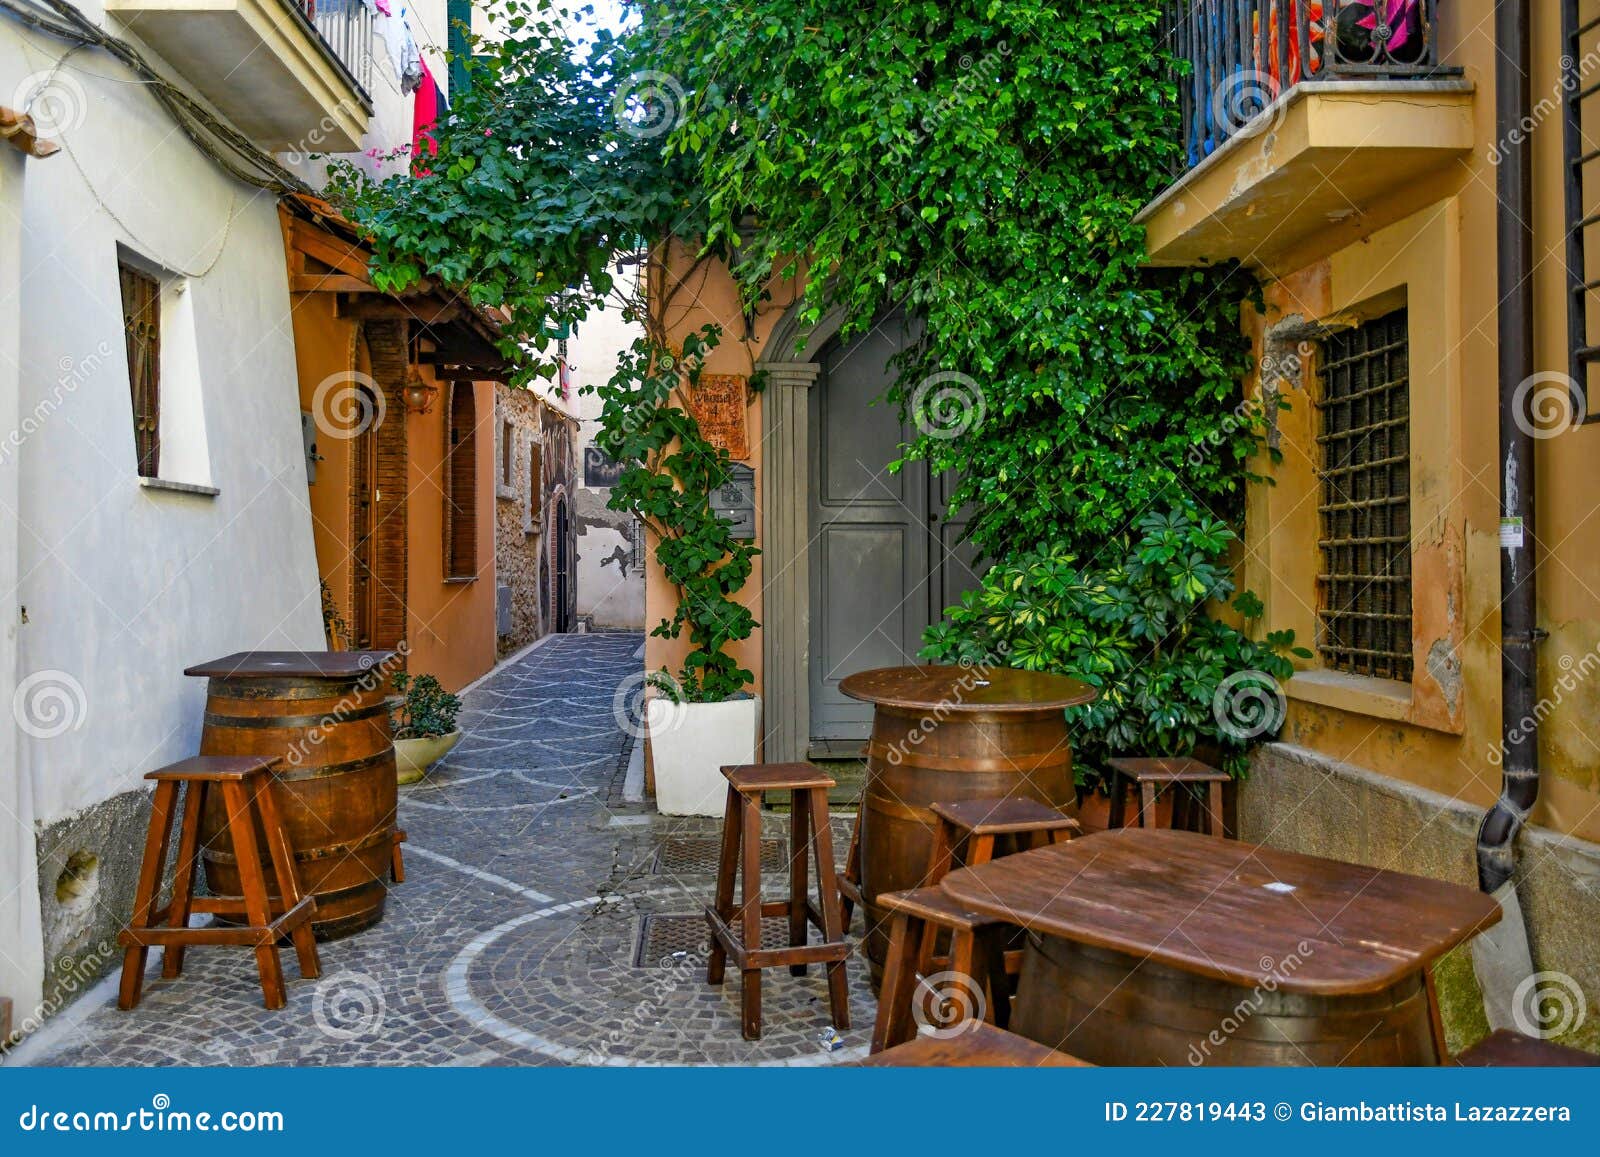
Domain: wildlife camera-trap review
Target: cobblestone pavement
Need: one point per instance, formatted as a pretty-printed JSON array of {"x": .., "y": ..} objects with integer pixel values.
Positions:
[{"x": 517, "y": 936}]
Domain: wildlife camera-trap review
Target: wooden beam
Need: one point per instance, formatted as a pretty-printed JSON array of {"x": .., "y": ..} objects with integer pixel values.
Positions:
[
  {"x": 375, "y": 307},
  {"x": 328, "y": 249},
  {"x": 328, "y": 283}
]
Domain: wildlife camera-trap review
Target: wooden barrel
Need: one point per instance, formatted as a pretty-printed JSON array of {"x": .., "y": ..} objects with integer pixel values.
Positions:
[
  {"x": 325, "y": 716},
  {"x": 1109, "y": 1008},
  {"x": 944, "y": 734}
]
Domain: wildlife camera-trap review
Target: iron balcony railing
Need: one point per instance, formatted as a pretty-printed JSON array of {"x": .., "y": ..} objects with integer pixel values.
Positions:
[
  {"x": 1238, "y": 58},
  {"x": 345, "y": 26}
]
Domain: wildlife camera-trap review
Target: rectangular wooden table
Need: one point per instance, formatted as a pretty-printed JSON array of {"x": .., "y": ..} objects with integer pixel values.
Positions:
[{"x": 1152, "y": 947}]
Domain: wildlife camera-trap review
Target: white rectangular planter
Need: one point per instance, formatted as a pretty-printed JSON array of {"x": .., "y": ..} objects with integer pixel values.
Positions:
[{"x": 690, "y": 743}]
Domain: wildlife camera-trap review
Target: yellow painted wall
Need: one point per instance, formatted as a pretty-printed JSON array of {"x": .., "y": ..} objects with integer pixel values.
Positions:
[
  {"x": 1432, "y": 245},
  {"x": 450, "y": 626}
]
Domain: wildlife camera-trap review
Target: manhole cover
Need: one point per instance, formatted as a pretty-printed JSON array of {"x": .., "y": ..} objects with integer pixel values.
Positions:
[
  {"x": 698, "y": 855},
  {"x": 663, "y": 937}
]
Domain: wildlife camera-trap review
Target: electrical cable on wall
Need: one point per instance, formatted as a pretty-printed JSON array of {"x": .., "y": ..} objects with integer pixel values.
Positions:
[{"x": 225, "y": 145}]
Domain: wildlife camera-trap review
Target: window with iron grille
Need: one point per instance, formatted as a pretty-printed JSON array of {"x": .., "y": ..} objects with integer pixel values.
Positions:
[
  {"x": 141, "y": 324},
  {"x": 1364, "y": 439}
]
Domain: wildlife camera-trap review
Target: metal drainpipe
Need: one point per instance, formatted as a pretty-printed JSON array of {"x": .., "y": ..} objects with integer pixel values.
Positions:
[{"x": 1519, "y": 634}]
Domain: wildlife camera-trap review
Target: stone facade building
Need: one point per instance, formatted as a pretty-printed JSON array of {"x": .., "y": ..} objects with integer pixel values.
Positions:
[{"x": 533, "y": 465}]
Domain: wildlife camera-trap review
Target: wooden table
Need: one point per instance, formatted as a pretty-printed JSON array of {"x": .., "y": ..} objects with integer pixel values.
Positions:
[
  {"x": 323, "y": 714},
  {"x": 1153, "y": 947},
  {"x": 945, "y": 734}
]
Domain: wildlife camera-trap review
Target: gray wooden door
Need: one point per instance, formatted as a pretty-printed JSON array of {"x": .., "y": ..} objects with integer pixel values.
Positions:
[{"x": 883, "y": 564}]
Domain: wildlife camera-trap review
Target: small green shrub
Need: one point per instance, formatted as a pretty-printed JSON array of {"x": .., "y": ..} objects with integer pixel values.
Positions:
[
  {"x": 1132, "y": 622},
  {"x": 425, "y": 709}
]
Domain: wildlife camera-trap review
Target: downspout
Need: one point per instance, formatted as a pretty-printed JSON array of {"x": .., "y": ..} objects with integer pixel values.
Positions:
[{"x": 1519, "y": 634}]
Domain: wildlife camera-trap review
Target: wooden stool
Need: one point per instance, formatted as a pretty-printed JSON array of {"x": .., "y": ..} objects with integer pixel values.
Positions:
[
  {"x": 1505, "y": 1049},
  {"x": 397, "y": 866},
  {"x": 850, "y": 882},
  {"x": 741, "y": 850},
  {"x": 1151, "y": 775},
  {"x": 982, "y": 822},
  {"x": 978, "y": 1046},
  {"x": 248, "y": 793},
  {"x": 977, "y": 952}
]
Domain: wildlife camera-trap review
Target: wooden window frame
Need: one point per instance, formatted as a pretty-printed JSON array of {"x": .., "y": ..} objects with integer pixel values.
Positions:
[
  {"x": 141, "y": 325},
  {"x": 459, "y": 471}
]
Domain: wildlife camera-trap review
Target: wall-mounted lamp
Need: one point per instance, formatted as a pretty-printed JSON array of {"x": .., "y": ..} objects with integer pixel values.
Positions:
[{"x": 420, "y": 395}]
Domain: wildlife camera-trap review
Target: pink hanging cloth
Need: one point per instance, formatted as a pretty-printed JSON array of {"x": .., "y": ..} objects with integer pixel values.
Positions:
[{"x": 424, "y": 117}]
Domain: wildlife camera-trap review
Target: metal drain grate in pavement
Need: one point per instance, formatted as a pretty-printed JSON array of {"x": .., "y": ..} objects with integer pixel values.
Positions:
[
  {"x": 662, "y": 936},
  {"x": 697, "y": 856}
]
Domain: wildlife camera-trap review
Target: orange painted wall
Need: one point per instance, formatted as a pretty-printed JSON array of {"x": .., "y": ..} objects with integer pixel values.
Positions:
[{"x": 450, "y": 625}]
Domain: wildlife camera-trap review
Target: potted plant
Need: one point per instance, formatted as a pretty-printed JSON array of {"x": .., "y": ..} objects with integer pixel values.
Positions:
[
  {"x": 425, "y": 730},
  {"x": 704, "y": 716},
  {"x": 1173, "y": 679}
]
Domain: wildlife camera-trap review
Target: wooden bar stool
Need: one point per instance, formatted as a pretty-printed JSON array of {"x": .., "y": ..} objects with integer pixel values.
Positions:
[
  {"x": 248, "y": 794},
  {"x": 1151, "y": 775},
  {"x": 1024, "y": 822},
  {"x": 976, "y": 964},
  {"x": 1505, "y": 1049},
  {"x": 850, "y": 882},
  {"x": 741, "y": 852},
  {"x": 978, "y": 1046}
]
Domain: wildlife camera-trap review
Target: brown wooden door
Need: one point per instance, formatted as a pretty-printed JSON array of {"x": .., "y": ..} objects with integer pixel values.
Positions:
[{"x": 363, "y": 540}]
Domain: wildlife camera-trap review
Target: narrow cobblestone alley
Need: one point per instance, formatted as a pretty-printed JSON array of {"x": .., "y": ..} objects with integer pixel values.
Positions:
[{"x": 543, "y": 920}]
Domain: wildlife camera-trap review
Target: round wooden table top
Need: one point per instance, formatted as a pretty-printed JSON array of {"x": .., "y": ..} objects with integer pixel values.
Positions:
[
  {"x": 292, "y": 664},
  {"x": 986, "y": 690}
]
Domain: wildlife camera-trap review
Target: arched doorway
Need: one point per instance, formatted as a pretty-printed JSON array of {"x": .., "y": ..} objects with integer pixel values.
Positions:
[{"x": 824, "y": 531}]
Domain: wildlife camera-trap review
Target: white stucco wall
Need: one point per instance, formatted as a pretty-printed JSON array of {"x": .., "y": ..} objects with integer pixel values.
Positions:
[
  {"x": 611, "y": 598},
  {"x": 393, "y": 112},
  {"x": 21, "y": 957},
  {"x": 122, "y": 586}
]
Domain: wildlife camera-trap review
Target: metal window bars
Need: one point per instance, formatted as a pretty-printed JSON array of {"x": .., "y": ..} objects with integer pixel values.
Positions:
[
  {"x": 345, "y": 26},
  {"x": 1580, "y": 82},
  {"x": 1236, "y": 58},
  {"x": 1364, "y": 477}
]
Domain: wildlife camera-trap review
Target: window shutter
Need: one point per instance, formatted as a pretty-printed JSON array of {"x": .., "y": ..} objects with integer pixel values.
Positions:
[
  {"x": 535, "y": 481},
  {"x": 141, "y": 322},
  {"x": 460, "y": 477}
]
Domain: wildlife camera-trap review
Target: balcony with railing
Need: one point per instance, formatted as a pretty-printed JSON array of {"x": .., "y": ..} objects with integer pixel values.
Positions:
[
  {"x": 290, "y": 74},
  {"x": 1277, "y": 98}
]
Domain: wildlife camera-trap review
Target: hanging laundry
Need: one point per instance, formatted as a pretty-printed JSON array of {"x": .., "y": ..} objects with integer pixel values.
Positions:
[
  {"x": 425, "y": 115},
  {"x": 395, "y": 29}
]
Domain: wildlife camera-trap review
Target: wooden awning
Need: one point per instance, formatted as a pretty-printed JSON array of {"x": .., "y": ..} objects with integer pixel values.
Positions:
[{"x": 327, "y": 254}]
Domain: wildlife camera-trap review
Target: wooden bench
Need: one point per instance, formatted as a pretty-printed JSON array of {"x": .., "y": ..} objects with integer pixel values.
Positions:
[
  {"x": 1505, "y": 1049},
  {"x": 979, "y": 1046}
]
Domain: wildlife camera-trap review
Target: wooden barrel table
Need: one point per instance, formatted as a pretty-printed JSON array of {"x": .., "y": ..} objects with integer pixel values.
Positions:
[
  {"x": 323, "y": 714},
  {"x": 1150, "y": 947},
  {"x": 945, "y": 734}
]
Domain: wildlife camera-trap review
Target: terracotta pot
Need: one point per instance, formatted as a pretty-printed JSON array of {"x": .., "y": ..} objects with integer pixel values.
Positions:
[
  {"x": 1094, "y": 809},
  {"x": 413, "y": 757}
]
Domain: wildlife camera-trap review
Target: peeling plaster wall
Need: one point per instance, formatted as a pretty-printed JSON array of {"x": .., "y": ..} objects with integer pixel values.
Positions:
[{"x": 610, "y": 563}]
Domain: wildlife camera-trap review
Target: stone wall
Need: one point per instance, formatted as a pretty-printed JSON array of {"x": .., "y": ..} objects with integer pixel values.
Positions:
[
  {"x": 1303, "y": 801},
  {"x": 526, "y": 486}
]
